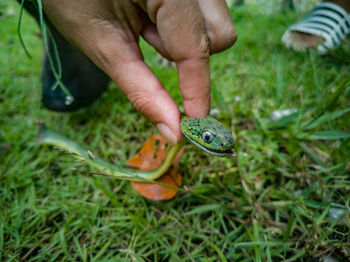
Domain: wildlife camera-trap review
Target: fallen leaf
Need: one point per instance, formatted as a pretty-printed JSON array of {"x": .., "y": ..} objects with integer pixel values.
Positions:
[{"x": 150, "y": 156}]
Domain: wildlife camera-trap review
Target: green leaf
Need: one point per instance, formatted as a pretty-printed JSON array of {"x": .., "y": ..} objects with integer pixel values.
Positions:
[
  {"x": 328, "y": 117},
  {"x": 329, "y": 135}
]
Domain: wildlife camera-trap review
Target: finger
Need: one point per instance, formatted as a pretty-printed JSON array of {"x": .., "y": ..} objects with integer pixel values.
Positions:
[
  {"x": 149, "y": 97},
  {"x": 194, "y": 81},
  {"x": 219, "y": 25},
  {"x": 144, "y": 90},
  {"x": 150, "y": 34},
  {"x": 182, "y": 32}
]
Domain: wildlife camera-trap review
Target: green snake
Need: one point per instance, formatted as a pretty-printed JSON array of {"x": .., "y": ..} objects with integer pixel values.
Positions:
[{"x": 207, "y": 133}]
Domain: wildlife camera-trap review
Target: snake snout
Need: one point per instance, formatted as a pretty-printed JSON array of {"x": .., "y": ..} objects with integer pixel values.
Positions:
[{"x": 224, "y": 144}]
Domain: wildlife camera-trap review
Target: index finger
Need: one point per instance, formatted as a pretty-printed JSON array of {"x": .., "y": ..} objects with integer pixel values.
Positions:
[{"x": 183, "y": 34}]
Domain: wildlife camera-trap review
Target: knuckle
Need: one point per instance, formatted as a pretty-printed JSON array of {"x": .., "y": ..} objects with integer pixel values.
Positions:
[
  {"x": 231, "y": 34},
  {"x": 198, "y": 51},
  {"x": 140, "y": 100},
  {"x": 224, "y": 37}
]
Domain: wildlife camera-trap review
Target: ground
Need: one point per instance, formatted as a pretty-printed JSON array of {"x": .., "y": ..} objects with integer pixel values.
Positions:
[{"x": 290, "y": 204}]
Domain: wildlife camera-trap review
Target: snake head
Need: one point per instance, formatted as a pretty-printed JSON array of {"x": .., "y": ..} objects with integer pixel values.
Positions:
[{"x": 209, "y": 134}]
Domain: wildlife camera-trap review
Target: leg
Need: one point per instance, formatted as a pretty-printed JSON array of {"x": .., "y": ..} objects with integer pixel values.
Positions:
[{"x": 82, "y": 78}]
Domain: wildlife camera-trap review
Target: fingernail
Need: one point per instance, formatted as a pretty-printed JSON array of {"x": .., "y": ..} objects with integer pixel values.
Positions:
[{"x": 167, "y": 133}]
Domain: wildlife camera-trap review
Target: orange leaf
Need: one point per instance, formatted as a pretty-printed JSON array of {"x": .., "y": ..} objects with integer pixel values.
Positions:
[{"x": 151, "y": 156}]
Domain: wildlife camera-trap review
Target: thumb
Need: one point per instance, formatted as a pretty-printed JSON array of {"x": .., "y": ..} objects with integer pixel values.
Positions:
[{"x": 149, "y": 97}]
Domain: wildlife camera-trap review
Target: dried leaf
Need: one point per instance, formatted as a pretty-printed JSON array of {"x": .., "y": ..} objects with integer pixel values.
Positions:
[{"x": 151, "y": 156}]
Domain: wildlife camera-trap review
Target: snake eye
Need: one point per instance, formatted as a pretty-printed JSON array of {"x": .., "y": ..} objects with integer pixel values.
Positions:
[{"x": 207, "y": 137}]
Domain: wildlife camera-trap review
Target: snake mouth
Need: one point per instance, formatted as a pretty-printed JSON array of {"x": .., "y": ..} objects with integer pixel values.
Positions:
[
  {"x": 227, "y": 152},
  {"x": 231, "y": 152}
]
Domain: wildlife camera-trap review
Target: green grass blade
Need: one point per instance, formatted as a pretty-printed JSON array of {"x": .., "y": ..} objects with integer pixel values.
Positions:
[
  {"x": 219, "y": 99},
  {"x": 203, "y": 209},
  {"x": 137, "y": 221},
  {"x": 98, "y": 256},
  {"x": 312, "y": 154},
  {"x": 283, "y": 121},
  {"x": 328, "y": 135},
  {"x": 256, "y": 238},
  {"x": 332, "y": 100},
  {"x": 1, "y": 238},
  {"x": 327, "y": 117},
  {"x": 63, "y": 243},
  {"x": 217, "y": 249}
]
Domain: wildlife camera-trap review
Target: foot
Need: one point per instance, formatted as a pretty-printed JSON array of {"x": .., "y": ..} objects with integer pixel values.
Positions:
[{"x": 301, "y": 41}]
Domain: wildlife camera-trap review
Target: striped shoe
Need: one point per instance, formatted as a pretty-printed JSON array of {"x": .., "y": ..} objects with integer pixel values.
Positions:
[{"x": 327, "y": 21}]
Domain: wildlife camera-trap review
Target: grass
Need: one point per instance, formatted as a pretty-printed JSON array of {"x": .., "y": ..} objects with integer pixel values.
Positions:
[{"x": 295, "y": 170}]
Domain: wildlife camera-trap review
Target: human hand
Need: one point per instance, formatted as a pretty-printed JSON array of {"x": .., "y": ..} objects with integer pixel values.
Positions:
[{"x": 185, "y": 31}]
